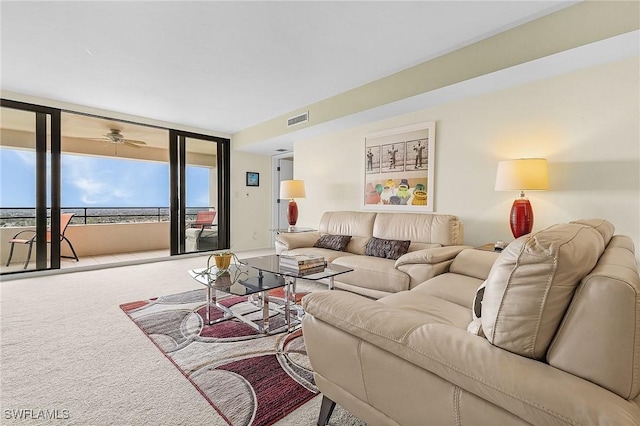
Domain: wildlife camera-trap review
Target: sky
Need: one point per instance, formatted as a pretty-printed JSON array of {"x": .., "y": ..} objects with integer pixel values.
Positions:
[{"x": 88, "y": 181}]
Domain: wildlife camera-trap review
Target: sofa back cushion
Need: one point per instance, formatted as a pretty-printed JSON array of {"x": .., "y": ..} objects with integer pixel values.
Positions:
[
  {"x": 359, "y": 225},
  {"x": 599, "y": 339},
  {"x": 423, "y": 230},
  {"x": 532, "y": 283},
  {"x": 604, "y": 227},
  {"x": 474, "y": 263}
]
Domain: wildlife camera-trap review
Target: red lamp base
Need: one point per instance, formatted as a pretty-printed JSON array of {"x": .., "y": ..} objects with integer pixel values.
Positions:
[
  {"x": 292, "y": 213},
  {"x": 521, "y": 217}
]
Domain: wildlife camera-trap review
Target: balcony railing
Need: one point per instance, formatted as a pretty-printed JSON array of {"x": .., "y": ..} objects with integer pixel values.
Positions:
[{"x": 24, "y": 216}]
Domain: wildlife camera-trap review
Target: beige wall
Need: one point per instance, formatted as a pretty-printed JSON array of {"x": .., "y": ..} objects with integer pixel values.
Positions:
[
  {"x": 586, "y": 123},
  {"x": 250, "y": 205}
]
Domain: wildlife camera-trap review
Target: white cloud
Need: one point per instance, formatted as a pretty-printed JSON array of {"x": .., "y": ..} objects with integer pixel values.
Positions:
[
  {"x": 27, "y": 157},
  {"x": 98, "y": 186}
]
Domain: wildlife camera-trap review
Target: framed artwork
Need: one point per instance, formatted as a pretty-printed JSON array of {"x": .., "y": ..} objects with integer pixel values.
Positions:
[
  {"x": 253, "y": 179},
  {"x": 399, "y": 169},
  {"x": 372, "y": 155}
]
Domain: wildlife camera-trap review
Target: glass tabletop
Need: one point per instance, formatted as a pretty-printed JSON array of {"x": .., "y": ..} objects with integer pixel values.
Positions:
[
  {"x": 292, "y": 230},
  {"x": 271, "y": 263},
  {"x": 239, "y": 280}
]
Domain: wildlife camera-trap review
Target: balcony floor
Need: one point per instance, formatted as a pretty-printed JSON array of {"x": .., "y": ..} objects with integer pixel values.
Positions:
[
  {"x": 106, "y": 260},
  {"x": 113, "y": 258},
  {"x": 94, "y": 261}
]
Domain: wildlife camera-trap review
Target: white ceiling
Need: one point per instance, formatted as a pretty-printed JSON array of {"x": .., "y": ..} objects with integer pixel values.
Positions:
[{"x": 226, "y": 66}]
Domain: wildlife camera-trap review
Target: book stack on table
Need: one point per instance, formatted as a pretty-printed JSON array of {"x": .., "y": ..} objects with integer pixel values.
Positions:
[{"x": 302, "y": 263}]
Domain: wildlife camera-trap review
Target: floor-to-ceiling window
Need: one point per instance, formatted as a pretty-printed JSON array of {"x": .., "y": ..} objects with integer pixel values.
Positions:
[{"x": 115, "y": 177}]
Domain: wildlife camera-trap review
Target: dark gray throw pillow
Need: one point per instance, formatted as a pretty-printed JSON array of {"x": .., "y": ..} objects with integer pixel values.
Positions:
[
  {"x": 388, "y": 249},
  {"x": 333, "y": 242},
  {"x": 477, "y": 301}
]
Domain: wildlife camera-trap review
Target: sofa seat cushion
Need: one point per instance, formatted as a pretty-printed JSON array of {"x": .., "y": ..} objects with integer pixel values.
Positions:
[
  {"x": 532, "y": 283},
  {"x": 436, "y": 309},
  {"x": 328, "y": 254},
  {"x": 455, "y": 288},
  {"x": 373, "y": 273}
]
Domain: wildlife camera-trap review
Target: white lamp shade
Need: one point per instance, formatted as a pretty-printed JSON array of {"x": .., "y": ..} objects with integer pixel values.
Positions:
[
  {"x": 522, "y": 174},
  {"x": 292, "y": 189}
]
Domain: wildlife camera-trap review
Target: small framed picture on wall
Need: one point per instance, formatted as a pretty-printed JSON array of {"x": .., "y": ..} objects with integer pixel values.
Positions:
[{"x": 253, "y": 179}]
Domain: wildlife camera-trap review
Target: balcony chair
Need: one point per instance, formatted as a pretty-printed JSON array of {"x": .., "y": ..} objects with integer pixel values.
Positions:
[
  {"x": 65, "y": 218},
  {"x": 202, "y": 234},
  {"x": 204, "y": 220}
]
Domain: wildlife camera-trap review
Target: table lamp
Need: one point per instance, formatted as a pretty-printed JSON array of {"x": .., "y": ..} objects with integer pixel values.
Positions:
[
  {"x": 520, "y": 175},
  {"x": 292, "y": 189}
]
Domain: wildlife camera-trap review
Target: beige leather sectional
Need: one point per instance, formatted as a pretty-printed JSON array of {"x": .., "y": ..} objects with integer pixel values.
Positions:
[
  {"x": 553, "y": 338},
  {"x": 435, "y": 239}
]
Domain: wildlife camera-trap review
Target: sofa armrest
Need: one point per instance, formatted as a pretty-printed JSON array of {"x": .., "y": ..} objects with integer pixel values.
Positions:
[
  {"x": 431, "y": 255},
  {"x": 532, "y": 390},
  {"x": 293, "y": 240}
]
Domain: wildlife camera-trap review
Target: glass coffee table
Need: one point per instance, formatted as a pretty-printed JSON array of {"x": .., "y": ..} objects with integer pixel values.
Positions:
[
  {"x": 255, "y": 277},
  {"x": 271, "y": 263},
  {"x": 242, "y": 280}
]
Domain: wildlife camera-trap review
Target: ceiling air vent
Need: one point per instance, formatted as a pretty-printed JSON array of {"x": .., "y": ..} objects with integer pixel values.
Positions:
[{"x": 298, "y": 119}]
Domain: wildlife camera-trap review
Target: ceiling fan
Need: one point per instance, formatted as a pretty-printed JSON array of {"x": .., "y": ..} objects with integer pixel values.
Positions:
[{"x": 115, "y": 136}]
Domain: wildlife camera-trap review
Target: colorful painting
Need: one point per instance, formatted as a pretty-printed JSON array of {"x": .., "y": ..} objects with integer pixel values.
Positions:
[{"x": 399, "y": 168}]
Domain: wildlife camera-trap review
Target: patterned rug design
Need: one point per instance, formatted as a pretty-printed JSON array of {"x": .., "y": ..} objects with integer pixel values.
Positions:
[{"x": 248, "y": 377}]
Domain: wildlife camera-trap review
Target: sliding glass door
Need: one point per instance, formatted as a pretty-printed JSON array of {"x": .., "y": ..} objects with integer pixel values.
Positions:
[
  {"x": 200, "y": 192},
  {"x": 29, "y": 187}
]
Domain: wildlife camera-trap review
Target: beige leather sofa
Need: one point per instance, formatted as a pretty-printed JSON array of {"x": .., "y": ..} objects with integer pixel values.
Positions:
[
  {"x": 557, "y": 341},
  {"x": 435, "y": 240}
]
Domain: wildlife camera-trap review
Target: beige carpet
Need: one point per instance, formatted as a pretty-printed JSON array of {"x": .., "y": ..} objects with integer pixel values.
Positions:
[{"x": 67, "y": 346}]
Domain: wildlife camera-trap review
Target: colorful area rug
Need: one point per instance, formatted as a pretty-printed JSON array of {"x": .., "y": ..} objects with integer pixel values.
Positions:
[{"x": 248, "y": 377}]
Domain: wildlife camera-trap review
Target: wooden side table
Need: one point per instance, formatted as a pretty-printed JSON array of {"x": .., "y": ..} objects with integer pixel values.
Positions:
[{"x": 488, "y": 247}]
